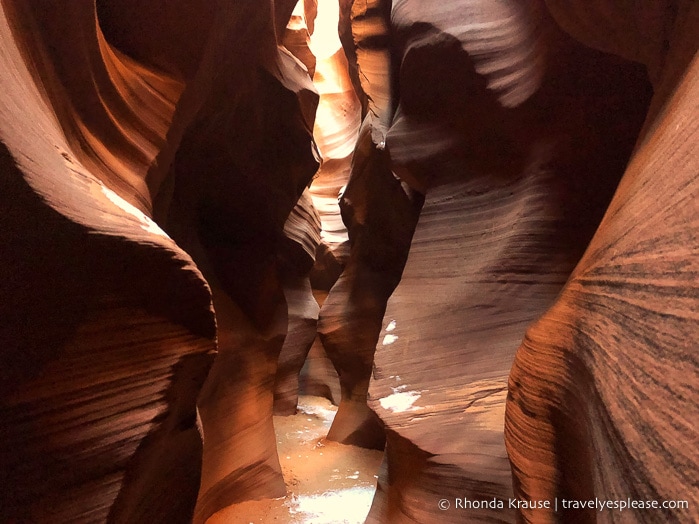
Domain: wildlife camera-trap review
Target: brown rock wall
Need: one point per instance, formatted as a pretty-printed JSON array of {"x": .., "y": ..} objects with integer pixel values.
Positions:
[
  {"x": 507, "y": 144},
  {"x": 244, "y": 159},
  {"x": 108, "y": 330},
  {"x": 601, "y": 398}
]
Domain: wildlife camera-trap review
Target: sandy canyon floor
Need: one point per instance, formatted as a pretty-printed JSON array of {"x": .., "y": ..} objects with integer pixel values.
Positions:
[{"x": 327, "y": 482}]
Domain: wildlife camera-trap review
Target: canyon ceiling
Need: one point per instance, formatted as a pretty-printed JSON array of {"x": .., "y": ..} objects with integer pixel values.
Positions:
[{"x": 485, "y": 214}]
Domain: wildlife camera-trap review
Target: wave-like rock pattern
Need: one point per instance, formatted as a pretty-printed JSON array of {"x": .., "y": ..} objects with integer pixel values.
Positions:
[
  {"x": 301, "y": 333},
  {"x": 504, "y": 40},
  {"x": 297, "y": 256},
  {"x": 365, "y": 31},
  {"x": 244, "y": 159},
  {"x": 114, "y": 111},
  {"x": 602, "y": 399},
  {"x": 297, "y": 37},
  {"x": 513, "y": 194},
  {"x": 336, "y": 129},
  {"x": 224, "y": 158},
  {"x": 108, "y": 330},
  {"x": 350, "y": 318}
]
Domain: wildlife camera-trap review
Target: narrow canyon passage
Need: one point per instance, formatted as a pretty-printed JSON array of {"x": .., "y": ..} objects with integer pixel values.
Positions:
[
  {"x": 349, "y": 261},
  {"x": 326, "y": 481}
]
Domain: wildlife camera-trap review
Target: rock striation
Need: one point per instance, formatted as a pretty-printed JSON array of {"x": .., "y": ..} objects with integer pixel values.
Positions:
[
  {"x": 517, "y": 136},
  {"x": 297, "y": 256},
  {"x": 244, "y": 158},
  {"x": 350, "y": 317},
  {"x": 602, "y": 395},
  {"x": 108, "y": 330},
  {"x": 473, "y": 225},
  {"x": 103, "y": 369}
]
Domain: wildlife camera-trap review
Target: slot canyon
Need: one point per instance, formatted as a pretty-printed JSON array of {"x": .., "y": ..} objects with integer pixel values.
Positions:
[{"x": 346, "y": 261}]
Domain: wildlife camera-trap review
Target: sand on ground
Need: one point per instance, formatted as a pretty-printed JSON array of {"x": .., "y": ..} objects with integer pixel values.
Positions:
[{"x": 327, "y": 482}]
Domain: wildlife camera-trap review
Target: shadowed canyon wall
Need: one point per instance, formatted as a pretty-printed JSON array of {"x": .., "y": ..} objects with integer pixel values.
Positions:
[
  {"x": 484, "y": 214},
  {"x": 530, "y": 131},
  {"x": 108, "y": 330},
  {"x": 602, "y": 394},
  {"x": 244, "y": 160}
]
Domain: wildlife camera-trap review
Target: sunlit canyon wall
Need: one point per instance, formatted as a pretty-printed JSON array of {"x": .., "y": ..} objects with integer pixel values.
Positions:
[
  {"x": 192, "y": 115},
  {"x": 484, "y": 214}
]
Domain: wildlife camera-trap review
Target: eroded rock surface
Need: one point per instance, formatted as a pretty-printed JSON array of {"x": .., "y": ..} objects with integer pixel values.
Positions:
[
  {"x": 350, "y": 319},
  {"x": 107, "y": 331},
  {"x": 241, "y": 166},
  {"x": 517, "y": 135},
  {"x": 100, "y": 408},
  {"x": 302, "y": 232},
  {"x": 602, "y": 395},
  {"x": 379, "y": 232},
  {"x": 512, "y": 121}
]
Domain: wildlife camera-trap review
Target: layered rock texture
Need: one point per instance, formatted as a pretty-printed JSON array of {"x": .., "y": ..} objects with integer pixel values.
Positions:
[
  {"x": 530, "y": 133},
  {"x": 107, "y": 327},
  {"x": 302, "y": 232},
  {"x": 109, "y": 330},
  {"x": 602, "y": 395},
  {"x": 350, "y": 317},
  {"x": 471, "y": 224},
  {"x": 243, "y": 161}
]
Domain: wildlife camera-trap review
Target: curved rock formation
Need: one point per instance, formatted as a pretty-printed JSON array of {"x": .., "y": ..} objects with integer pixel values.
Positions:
[
  {"x": 517, "y": 134},
  {"x": 297, "y": 254},
  {"x": 127, "y": 406},
  {"x": 297, "y": 36},
  {"x": 494, "y": 114},
  {"x": 350, "y": 317},
  {"x": 364, "y": 28},
  {"x": 336, "y": 130},
  {"x": 108, "y": 329},
  {"x": 240, "y": 167},
  {"x": 114, "y": 111},
  {"x": 602, "y": 398}
]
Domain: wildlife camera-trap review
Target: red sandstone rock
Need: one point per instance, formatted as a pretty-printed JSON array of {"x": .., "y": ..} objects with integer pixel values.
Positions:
[
  {"x": 297, "y": 38},
  {"x": 241, "y": 165},
  {"x": 123, "y": 124},
  {"x": 507, "y": 143},
  {"x": 318, "y": 376},
  {"x": 302, "y": 230},
  {"x": 335, "y": 131},
  {"x": 350, "y": 318},
  {"x": 602, "y": 396},
  {"x": 351, "y": 315},
  {"x": 516, "y": 134},
  {"x": 107, "y": 330}
]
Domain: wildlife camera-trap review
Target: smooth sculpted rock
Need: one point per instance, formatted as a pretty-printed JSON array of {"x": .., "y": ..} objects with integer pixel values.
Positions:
[
  {"x": 379, "y": 232},
  {"x": 297, "y": 36},
  {"x": 107, "y": 329},
  {"x": 335, "y": 131},
  {"x": 244, "y": 159},
  {"x": 115, "y": 111},
  {"x": 297, "y": 255},
  {"x": 517, "y": 135},
  {"x": 350, "y": 317},
  {"x": 602, "y": 400}
]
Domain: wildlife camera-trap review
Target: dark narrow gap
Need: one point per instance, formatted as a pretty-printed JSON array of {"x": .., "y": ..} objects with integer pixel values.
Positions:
[{"x": 326, "y": 481}]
